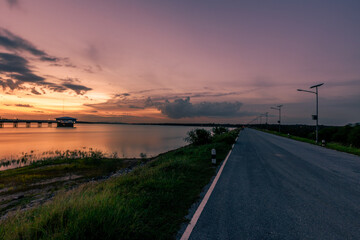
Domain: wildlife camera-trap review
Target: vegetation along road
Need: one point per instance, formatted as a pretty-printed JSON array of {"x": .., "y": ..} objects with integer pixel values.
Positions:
[{"x": 277, "y": 188}]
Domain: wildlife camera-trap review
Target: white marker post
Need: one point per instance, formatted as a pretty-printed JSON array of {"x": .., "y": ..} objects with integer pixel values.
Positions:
[{"x": 213, "y": 156}]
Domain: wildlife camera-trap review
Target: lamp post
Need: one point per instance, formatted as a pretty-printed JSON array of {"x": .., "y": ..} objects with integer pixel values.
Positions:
[
  {"x": 266, "y": 115},
  {"x": 279, "y": 109},
  {"x": 315, "y": 117}
]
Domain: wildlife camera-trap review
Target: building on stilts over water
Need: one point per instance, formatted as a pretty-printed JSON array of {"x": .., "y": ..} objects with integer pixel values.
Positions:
[{"x": 65, "y": 121}]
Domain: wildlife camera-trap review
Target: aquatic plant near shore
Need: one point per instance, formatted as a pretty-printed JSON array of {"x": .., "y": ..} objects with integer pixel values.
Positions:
[{"x": 32, "y": 157}]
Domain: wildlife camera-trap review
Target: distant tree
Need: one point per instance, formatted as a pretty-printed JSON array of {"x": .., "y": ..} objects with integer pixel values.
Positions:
[
  {"x": 327, "y": 133},
  {"x": 198, "y": 136},
  {"x": 354, "y": 136},
  {"x": 341, "y": 136}
]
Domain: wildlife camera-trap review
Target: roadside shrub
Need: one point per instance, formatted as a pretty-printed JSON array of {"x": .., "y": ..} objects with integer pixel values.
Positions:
[
  {"x": 198, "y": 136},
  {"x": 219, "y": 130},
  {"x": 224, "y": 138},
  {"x": 341, "y": 136},
  {"x": 354, "y": 136},
  {"x": 327, "y": 133}
]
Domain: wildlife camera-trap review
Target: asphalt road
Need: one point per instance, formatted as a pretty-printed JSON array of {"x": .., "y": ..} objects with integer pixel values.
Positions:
[{"x": 277, "y": 188}]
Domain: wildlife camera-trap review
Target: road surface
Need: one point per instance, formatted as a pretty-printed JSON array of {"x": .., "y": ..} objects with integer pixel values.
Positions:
[{"x": 277, "y": 188}]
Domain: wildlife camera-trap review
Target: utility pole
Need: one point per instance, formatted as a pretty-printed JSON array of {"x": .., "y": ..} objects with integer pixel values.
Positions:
[
  {"x": 279, "y": 109},
  {"x": 266, "y": 115}
]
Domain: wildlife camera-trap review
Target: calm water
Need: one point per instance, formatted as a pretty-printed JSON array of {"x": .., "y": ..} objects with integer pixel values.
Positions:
[{"x": 126, "y": 140}]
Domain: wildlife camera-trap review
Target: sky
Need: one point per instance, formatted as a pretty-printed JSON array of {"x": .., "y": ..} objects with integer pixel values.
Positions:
[{"x": 157, "y": 61}]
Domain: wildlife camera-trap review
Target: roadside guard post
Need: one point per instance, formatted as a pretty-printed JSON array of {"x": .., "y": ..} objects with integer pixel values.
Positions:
[
  {"x": 213, "y": 156},
  {"x": 323, "y": 143}
]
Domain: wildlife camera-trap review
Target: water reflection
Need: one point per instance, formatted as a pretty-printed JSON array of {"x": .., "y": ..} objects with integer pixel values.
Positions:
[{"x": 125, "y": 140}]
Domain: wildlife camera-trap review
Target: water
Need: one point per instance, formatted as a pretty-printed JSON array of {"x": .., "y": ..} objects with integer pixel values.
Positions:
[{"x": 126, "y": 140}]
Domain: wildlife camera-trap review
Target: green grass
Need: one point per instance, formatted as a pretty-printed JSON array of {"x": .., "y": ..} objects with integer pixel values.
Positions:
[
  {"x": 331, "y": 145},
  {"x": 36, "y": 180},
  {"x": 148, "y": 203}
]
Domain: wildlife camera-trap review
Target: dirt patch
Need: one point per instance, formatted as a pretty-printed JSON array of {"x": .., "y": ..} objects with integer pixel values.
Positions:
[
  {"x": 34, "y": 194},
  {"x": 57, "y": 179}
]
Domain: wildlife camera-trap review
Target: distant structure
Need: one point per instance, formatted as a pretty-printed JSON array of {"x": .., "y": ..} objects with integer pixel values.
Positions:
[{"x": 65, "y": 121}]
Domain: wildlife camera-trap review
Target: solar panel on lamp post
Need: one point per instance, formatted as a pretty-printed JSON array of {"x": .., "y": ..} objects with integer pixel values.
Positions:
[{"x": 317, "y": 106}]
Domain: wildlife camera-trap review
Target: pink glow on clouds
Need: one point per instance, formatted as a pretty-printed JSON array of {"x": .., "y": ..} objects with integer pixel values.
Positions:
[{"x": 254, "y": 53}]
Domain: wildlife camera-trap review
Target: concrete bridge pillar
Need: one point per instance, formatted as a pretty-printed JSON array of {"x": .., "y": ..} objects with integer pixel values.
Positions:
[{"x": 49, "y": 124}]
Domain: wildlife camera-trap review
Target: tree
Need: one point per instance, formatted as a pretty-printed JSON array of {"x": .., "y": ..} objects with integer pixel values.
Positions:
[
  {"x": 219, "y": 130},
  {"x": 198, "y": 136}
]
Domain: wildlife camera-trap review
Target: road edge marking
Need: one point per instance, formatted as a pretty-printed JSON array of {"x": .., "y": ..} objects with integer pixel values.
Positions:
[{"x": 201, "y": 207}]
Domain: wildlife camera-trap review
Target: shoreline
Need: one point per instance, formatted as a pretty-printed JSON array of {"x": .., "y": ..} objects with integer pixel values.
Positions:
[{"x": 149, "y": 202}]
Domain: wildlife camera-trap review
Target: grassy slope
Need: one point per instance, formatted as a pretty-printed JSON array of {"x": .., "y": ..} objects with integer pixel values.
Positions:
[
  {"x": 148, "y": 203},
  {"x": 41, "y": 179},
  {"x": 43, "y": 170},
  {"x": 335, "y": 146}
]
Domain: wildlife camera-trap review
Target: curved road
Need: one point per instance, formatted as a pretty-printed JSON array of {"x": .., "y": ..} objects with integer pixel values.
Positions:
[{"x": 277, "y": 188}]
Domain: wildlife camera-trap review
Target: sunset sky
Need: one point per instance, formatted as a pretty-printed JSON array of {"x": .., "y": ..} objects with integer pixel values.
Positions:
[{"x": 179, "y": 61}]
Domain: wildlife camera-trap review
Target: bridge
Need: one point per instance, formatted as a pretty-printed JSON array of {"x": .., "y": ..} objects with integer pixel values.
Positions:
[{"x": 61, "y": 122}]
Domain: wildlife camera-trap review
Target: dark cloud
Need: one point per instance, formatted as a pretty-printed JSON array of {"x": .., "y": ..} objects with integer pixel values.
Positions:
[
  {"x": 176, "y": 109},
  {"x": 15, "y": 43},
  {"x": 28, "y": 77},
  {"x": 121, "y": 95},
  {"x": 70, "y": 80},
  {"x": 17, "y": 68},
  {"x": 136, "y": 107},
  {"x": 49, "y": 59},
  {"x": 35, "y": 92},
  {"x": 79, "y": 89},
  {"x": 8, "y": 83},
  {"x": 183, "y": 108},
  {"x": 24, "y": 105},
  {"x": 54, "y": 87},
  {"x": 13, "y": 3},
  {"x": 13, "y": 63}
]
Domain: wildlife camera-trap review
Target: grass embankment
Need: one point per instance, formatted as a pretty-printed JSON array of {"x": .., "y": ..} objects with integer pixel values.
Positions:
[
  {"x": 148, "y": 203},
  {"x": 37, "y": 182},
  {"x": 331, "y": 145}
]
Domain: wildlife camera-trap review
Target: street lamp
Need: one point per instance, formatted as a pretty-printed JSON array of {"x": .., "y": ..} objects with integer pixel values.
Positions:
[
  {"x": 315, "y": 117},
  {"x": 266, "y": 115},
  {"x": 279, "y": 109}
]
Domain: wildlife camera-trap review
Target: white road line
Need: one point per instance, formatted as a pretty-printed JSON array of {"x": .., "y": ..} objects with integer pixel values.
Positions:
[{"x": 198, "y": 212}]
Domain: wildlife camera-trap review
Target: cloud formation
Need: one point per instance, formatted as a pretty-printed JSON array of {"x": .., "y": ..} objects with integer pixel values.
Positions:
[
  {"x": 183, "y": 108},
  {"x": 15, "y": 43},
  {"x": 176, "y": 109},
  {"x": 18, "y": 71},
  {"x": 79, "y": 89}
]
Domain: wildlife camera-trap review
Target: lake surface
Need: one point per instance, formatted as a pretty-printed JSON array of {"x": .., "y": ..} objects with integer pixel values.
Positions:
[{"x": 126, "y": 140}]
